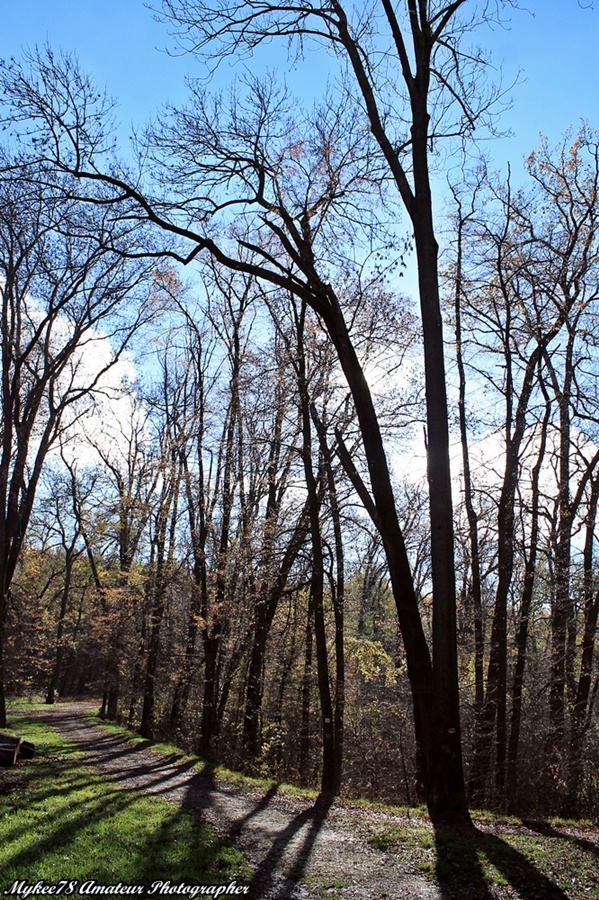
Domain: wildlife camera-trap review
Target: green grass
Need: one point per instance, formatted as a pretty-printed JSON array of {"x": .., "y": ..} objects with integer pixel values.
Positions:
[
  {"x": 508, "y": 862},
  {"x": 60, "y": 820}
]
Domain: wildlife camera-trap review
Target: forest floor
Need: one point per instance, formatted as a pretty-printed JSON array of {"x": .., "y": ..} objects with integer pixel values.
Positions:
[{"x": 302, "y": 850}]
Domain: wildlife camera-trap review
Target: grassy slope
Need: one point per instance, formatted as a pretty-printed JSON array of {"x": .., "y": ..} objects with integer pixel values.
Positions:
[{"x": 60, "y": 820}]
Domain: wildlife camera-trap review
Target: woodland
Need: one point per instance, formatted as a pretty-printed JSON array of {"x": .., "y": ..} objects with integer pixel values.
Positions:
[{"x": 255, "y": 496}]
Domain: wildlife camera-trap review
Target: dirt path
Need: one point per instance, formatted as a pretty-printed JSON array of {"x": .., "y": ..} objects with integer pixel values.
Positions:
[{"x": 297, "y": 851}]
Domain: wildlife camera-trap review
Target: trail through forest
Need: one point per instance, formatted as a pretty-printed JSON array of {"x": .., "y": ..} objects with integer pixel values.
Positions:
[
  {"x": 285, "y": 840},
  {"x": 299, "y": 850}
]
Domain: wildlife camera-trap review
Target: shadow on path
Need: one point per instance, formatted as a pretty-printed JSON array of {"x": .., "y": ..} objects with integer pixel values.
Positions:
[
  {"x": 117, "y": 757},
  {"x": 238, "y": 825},
  {"x": 284, "y": 836},
  {"x": 265, "y": 878}
]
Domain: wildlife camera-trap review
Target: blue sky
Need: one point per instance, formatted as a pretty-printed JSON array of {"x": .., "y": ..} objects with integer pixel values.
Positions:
[
  {"x": 553, "y": 44},
  {"x": 118, "y": 42}
]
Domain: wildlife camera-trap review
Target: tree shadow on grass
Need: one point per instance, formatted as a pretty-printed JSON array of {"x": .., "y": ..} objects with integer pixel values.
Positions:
[
  {"x": 548, "y": 830},
  {"x": 197, "y": 791},
  {"x": 99, "y": 743},
  {"x": 173, "y": 847},
  {"x": 66, "y": 812},
  {"x": 58, "y": 831},
  {"x": 288, "y": 844},
  {"x": 116, "y": 757},
  {"x": 460, "y": 870}
]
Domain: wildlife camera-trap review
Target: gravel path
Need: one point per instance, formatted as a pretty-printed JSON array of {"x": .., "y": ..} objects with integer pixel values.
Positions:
[{"x": 289, "y": 844}]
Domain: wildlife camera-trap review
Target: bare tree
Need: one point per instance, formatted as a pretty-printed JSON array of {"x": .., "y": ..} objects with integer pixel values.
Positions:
[
  {"x": 528, "y": 291},
  {"x": 62, "y": 296},
  {"x": 163, "y": 538},
  {"x": 61, "y": 508},
  {"x": 412, "y": 62}
]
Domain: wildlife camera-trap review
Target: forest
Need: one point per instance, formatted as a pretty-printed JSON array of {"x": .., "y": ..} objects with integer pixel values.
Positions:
[{"x": 256, "y": 494}]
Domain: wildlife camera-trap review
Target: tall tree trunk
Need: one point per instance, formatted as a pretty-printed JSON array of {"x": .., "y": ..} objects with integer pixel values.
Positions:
[
  {"x": 579, "y": 718},
  {"x": 476, "y": 586},
  {"x": 208, "y": 721},
  {"x": 446, "y": 780},
  {"x": 137, "y": 673},
  {"x": 329, "y": 769},
  {"x": 266, "y": 601},
  {"x": 183, "y": 684},
  {"x": 198, "y": 527},
  {"x": 212, "y": 628},
  {"x": 3, "y": 610},
  {"x": 337, "y": 593},
  {"x": 434, "y": 682},
  {"x": 168, "y": 509},
  {"x": 56, "y": 668},
  {"x": 563, "y": 635},
  {"x": 491, "y": 725},
  {"x": 304, "y": 755},
  {"x": 562, "y": 606},
  {"x": 439, "y": 745},
  {"x": 524, "y": 615},
  {"x": 266, "y": 608}
]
